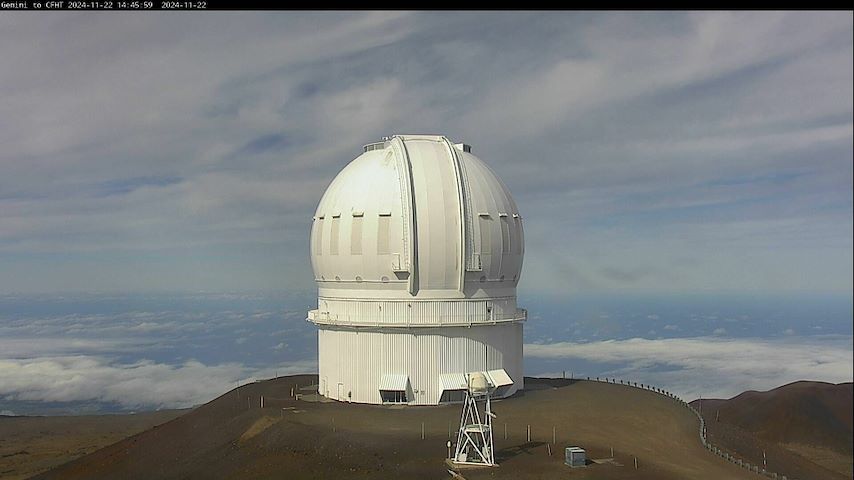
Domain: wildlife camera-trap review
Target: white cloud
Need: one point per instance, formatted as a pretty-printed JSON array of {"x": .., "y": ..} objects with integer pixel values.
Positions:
[
  {"x": 142, "y": 384},
  {"x": 30, "y": 347},
  {"x": 710, "y": 366}
]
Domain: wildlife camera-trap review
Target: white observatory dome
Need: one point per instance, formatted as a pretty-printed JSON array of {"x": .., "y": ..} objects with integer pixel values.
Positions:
[
  {"x": 415, "y": 238},
  {"x": 438, "y": 225}
]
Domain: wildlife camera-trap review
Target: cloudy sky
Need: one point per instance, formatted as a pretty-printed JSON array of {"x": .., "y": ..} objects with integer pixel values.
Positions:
[
  {"x": 648, "y": 152},
  {"x": 686, "y": 182}
]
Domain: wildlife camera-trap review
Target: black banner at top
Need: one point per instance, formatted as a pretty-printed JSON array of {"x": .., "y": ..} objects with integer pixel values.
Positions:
[{"x": 149, "y": 5}]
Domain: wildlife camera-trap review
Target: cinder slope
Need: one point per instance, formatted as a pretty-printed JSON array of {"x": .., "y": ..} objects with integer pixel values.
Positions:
[
  {"x": 804, "y": 427},
  {"x": 231, "y": 437},
  {"x": 29, "y": 445}
]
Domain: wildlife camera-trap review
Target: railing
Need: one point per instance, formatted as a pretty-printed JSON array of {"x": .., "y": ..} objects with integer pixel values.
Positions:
[
  {"x": 702, "y": 431},
  {"x": 327, "y": 318}
]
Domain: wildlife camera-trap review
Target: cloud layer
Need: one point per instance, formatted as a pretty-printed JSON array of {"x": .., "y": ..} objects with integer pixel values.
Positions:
[
  {"x": 90, "y": 353},
  {"x": 140, "y": 385},
  {"x": 118, "y": 352},
  {"x": 709, "y": 367}
]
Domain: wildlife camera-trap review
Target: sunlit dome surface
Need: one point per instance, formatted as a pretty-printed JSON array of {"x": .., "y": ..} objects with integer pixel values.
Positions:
[
  {"x": 417, "y": 248},
  {"x": 441, "y": 224}
]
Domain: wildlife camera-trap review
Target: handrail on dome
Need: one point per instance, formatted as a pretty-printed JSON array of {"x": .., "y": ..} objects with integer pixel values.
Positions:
[{"x": 326, "y": 318}]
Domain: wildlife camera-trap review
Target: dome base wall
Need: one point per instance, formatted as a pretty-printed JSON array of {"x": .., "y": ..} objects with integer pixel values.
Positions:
[{"x": 356, "y": 364}]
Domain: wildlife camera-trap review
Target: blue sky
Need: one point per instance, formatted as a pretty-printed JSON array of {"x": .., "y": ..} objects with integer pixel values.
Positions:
[
  {"x": 685, "y": 178},
  {"x": 648, "y": 152}
]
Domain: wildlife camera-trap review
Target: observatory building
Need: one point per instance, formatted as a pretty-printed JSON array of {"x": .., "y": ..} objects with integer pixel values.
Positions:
[{"x": 416, "y": 248}]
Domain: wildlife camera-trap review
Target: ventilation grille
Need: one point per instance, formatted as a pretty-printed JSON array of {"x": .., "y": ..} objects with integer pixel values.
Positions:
[{"x": 374, "y": 146}]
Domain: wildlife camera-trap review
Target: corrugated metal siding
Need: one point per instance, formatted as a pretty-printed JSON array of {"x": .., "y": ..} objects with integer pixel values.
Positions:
[
  {"x": 452, "y": 381},
  {"x": 391, "y": 381},
  {"x": 358, "y": 359}
]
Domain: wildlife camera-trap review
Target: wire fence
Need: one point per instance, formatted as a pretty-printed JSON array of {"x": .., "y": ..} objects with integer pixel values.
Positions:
[
  {"x": 271, "y": 401},
  {"x": 723, "y": 453}
]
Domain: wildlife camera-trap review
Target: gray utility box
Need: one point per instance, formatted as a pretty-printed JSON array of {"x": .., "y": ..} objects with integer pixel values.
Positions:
[{"x": 576, "y": 457}]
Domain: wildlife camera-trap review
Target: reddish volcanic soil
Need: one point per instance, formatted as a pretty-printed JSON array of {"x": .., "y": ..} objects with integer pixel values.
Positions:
[
  {"x": 231, "y": 437},
  {"x": 805, "y": 428}
]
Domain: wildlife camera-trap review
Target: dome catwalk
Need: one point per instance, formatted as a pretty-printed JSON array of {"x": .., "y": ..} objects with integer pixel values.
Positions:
[{"x": 417, "y": 249}]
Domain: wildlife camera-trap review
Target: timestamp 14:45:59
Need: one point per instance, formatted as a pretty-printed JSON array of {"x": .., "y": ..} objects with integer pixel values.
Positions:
[{"x": 135, "y": 4}]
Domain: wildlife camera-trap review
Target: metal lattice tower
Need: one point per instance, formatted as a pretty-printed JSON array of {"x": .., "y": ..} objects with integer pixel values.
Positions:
[{"x": 475, "y": 445}]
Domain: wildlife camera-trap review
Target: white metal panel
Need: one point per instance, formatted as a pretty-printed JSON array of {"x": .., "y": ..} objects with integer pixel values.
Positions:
[
  {"x": 437, "y": 214},
  {"x": 393, "y": 381},
  {"x": 499, "y": 378},
  {"x": 452, "y": 381}
]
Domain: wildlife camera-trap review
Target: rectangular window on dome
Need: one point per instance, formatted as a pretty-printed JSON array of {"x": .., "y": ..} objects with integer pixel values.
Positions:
[
  {"x": 356, "y": 236},
  {"x": 383, "y": 234},
  {"x": 333, "y": 236},
  {"x": 485, "y": 231},
  {"x": 505, "y": 235},
  {"x": 517, "y": 246},
  {"x": 318, "y": 236}
]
